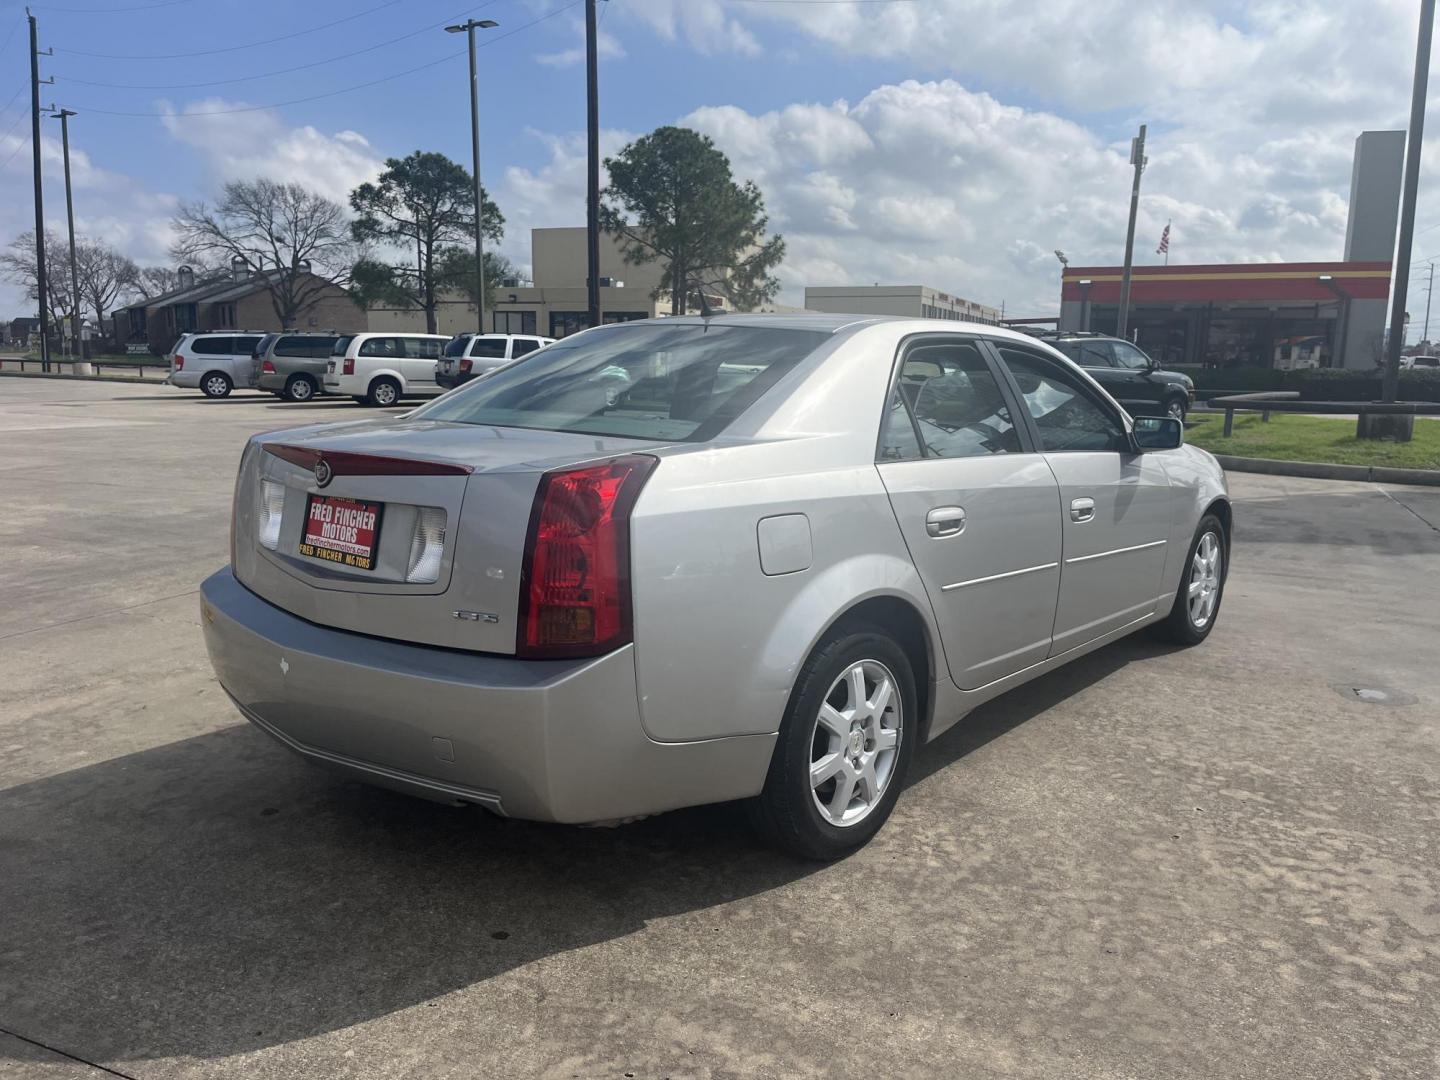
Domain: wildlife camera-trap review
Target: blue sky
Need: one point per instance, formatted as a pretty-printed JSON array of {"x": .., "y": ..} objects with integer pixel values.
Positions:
[{"x": 950, "y": 142}]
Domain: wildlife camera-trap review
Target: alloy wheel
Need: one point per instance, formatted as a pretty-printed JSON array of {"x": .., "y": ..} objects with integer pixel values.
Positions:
[
  {"x": 1176, "y": 408},
  {"x": 301, "y": 390},
  {"x": 384, "y": 394},
  {"x": 217, "y": 386},
  {"x": 855, "y": 743},
  {"x": 1204, "y": 588}
]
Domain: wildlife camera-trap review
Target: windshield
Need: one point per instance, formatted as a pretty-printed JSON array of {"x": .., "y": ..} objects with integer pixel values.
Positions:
[{"x": 681, "y": 382}]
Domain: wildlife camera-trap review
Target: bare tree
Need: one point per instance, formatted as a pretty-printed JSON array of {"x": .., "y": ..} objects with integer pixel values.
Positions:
[
  {"x": 105, "y": 276},
  {"x": 296, "y": 242},
  {"x": 18, "y": 266}
]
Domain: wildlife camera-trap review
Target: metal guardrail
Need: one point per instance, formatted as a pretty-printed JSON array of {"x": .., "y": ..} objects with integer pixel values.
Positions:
[
  {"x": 36, "y": 365},
  {"x": 1268, "y": 401}
]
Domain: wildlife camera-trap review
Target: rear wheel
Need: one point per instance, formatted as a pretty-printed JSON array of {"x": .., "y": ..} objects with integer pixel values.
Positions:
[
  {"x": 1202, "y": 586},
  {"x": 300, "y": 388},
  {"x": 384, "y": 392},
  {"x": 216, "y": 384},
  {"x": 844, "y": 747}
]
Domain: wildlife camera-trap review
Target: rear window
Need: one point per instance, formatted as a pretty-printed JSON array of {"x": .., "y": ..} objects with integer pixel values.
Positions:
[
  {"x": 341, "y": 344},
  {"x": 456, "y": 345},
  {"x": 296, "y": 345},
  {"x": 263, "y": 344},
  {"x": 211, "y": 346},
  {"x": 489, "y": 347},
  {"x": 685, "y": 382}
]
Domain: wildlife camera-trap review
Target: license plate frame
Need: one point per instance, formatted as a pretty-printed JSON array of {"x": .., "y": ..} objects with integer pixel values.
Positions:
[{"x": 342, "y": 548}]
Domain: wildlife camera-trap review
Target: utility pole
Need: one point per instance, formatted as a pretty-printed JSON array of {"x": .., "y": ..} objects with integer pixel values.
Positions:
[
  {"x": 469, "y": 27},
  {"x": 63, "y": 116},
  {"x": 1391, "y": 383},
  {"x": 592, "y": 180},
  {"x": 1429, "y": 288},
  {"x": 1137, "y": 159},
  {"x": 40, "y": 280}
]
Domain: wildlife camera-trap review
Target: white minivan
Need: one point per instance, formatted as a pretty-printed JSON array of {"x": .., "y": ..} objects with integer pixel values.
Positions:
[
  {"x": 469, "y": 356},
  {"x": 213, "y": 363},
  {"x": 380, "y": 368}
]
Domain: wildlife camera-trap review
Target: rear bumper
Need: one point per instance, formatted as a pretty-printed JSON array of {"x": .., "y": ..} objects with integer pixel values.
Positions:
[
  {"x": 449, "y": 382},
  {"x": 188, "y": 380},
  {"x": 545, "y": 740}
]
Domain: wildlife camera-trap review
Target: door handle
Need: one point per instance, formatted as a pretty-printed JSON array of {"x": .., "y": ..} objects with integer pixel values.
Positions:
[
  {"x": 1082, "y": 510},
  {"x": 945, "y": 521}
]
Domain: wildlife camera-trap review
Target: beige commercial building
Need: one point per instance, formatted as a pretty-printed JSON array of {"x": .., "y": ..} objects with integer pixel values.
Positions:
[
  {"x": 910, "y": 301},
  {"x": 555, "y": 303}
]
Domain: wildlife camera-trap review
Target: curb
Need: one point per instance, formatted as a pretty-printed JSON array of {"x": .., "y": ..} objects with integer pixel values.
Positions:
[
  {"x": 132, "y": 379},
  {"x": 1318, "y": 470}
]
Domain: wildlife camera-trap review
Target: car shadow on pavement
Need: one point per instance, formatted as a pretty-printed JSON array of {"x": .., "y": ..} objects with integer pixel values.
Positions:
[{"x": 217, "y": 895}]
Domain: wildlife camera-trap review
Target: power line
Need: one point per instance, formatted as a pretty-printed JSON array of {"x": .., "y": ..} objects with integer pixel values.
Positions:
[
  {"x": 347, "y": 55},
  {"x": 819, "y": 3},
  {"x": 14, "y": 29},
  {"x": 329, "y": 93},
  {"x": 110, "y": 11},
  {"x": 210, "y": 51}
]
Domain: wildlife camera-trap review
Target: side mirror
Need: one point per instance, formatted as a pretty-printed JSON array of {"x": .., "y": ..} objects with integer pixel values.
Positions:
[
  {"x": 1158, "y": 433},
  {"x": 1151, "y": 364}
]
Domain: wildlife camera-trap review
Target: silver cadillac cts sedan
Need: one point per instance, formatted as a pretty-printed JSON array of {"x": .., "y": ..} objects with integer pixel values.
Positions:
[{"x": 689, "y": 560}]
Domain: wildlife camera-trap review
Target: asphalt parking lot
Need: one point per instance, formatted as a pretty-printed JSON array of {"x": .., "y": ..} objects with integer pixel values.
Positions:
[{"x": 1220, "y": 862}]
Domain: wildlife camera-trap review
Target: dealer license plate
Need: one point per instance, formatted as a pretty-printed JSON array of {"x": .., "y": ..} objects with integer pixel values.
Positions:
[{"x": 342, "y": 531}]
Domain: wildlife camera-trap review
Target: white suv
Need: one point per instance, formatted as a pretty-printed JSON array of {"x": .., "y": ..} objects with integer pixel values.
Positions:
[
  {"x": 380, "y": 369},
  {"x": 214, "y": 363},
  {"x": 469, "y": 355}
]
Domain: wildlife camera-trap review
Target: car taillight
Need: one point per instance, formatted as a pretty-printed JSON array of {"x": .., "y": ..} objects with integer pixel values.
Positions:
[
  {"x": 575, "y": 578},
  {"x": 465, "y": 366},
  {"x": 179, "y": 362},
  {"x": 427, "y": 545},
  {"x": 267, "y": 367},
  {"x": 269, "y": 510},
  {"x": 349, "y": 365}
]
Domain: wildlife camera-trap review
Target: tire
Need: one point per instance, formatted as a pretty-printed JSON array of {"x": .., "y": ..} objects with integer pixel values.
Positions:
[
  {"x": 1190, "y": 623},
  {"x": 1177, "y": 407},
  {"x": 384, "y": 393},
  {"x": 300, "y": 388},
  {"x": 787, "y": 812},
  {"x": 216, "y": 384}
]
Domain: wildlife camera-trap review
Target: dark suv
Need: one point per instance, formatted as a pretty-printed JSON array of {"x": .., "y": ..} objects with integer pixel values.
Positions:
[{"x": 1133, "y": 379}]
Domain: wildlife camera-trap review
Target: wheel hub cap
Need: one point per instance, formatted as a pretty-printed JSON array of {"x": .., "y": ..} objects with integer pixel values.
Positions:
[
  {"x": 1205, "y": 574},
  {"x": 855, "y": 742}
]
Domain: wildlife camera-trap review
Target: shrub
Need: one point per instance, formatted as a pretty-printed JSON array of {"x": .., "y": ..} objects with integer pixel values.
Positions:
[
  {"x": 1247, "y": 380},
  {"x": 1343, "y": 384}
]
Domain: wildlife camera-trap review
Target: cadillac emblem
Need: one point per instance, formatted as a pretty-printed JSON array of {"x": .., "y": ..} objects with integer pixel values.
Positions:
[{"x": 322, "y": 472}]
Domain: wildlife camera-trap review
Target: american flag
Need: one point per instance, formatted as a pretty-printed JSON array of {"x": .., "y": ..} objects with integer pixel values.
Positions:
[{"x": 1164, "y": 248}]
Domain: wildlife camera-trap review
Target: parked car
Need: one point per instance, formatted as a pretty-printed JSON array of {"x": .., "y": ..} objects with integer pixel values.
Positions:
[
  {"x": 469, "y": 355},
  {"x": 380, "y": 369},
  {"x": 773, "y": 560},
  {"x": 214, "y": 363},
  {"x": 1131, "y": 377},
  {"x": 1423, "y": 363},
  {"x": 292, "y": 365}
]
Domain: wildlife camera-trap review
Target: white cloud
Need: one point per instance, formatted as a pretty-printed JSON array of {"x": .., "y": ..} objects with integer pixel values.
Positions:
[
  {"x": 607, "y": 47},
  {"x": 248, "y": 145},
  {"x": 704, "y": 25}
]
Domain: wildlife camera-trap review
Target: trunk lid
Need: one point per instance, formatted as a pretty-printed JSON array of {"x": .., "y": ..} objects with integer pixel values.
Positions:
[{"x": 388, "y": 483}]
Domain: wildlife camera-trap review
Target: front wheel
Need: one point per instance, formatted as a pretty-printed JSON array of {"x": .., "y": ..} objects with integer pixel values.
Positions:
[
  {"x": 845, "y": 745},
  {"x": 216, "y": 384},
  {"x": 299, "y": 388},
  {"x": 1202, "y": 586},
  {"x": 1176, "y": 407}
]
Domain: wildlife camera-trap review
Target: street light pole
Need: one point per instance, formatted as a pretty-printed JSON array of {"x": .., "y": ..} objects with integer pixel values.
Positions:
[
  {"x": 1137, "y": 158},
  {"x": 1429, "y": 288},
  {"x": 63, "y": 116},
  {"x": 40, "y": 281},
  {"x": 592, "y": 180},
  {"x": 1390, "y": 385},
  {"x": 468, "y": 28}
]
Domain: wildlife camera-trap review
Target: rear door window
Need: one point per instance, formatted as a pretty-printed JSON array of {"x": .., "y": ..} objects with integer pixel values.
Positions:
[
  {"x": 298, "y": 345},
  {"x": 1097, "y": 354},
  {"x": 422, "y": 348},
  {"x": 959, "y": 408},
  {"x": 244, "y": 346},
  {"x": 489, "y": 348},
  {"x": 525, "y": 345},
  {"x": 211, "y": 346},
  {"x": 387, "y": 347}
]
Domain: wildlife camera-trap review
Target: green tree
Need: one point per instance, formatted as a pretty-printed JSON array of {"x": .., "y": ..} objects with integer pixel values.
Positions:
[
  {"x": 422, "y": 210},
  {"x": 672, "y": 197}
]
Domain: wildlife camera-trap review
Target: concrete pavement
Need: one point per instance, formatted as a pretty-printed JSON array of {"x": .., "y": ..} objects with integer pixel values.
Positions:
[{"x": 1153, "y": 863}]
